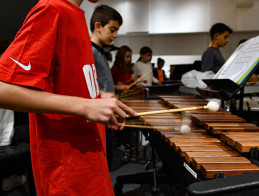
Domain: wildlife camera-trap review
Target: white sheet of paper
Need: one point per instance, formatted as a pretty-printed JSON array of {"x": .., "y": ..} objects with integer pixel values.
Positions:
[{"x": 241, "y": 62}]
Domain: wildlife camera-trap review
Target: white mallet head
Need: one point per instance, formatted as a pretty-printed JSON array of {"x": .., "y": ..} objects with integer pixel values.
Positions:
[
  {"x": 213, "y": 106},
  {"x": 185, "y": 129}
]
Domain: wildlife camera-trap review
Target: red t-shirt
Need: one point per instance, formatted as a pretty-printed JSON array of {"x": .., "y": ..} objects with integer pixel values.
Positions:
[
  {"x": 117, "y": 76},
  {"x": 52, "y": 52}
]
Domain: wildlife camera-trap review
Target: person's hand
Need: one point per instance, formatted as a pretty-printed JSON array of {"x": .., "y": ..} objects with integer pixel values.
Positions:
[
  {"x": 159, "y": 83},
  {"x": 107, "y": 95},
  {"x": 122, "y": 88},
  {"x": 110, "y": 112}
]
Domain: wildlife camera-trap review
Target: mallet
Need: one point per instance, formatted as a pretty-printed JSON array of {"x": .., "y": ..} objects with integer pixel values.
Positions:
[
  {"x": 211, "y": 106},
  {"x": 182, "y": 129},
  {"x": 139, "y": 79}
]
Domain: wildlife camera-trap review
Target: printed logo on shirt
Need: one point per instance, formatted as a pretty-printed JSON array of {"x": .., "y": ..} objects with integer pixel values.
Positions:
[{"x": 25, "y": 67}]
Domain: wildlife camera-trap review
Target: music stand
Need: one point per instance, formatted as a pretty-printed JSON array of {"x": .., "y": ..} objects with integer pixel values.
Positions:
[{"x": 226, "y": 89}]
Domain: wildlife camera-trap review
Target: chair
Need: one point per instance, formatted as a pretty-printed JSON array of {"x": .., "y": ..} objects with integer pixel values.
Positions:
[{"x": 15, "y": 158}]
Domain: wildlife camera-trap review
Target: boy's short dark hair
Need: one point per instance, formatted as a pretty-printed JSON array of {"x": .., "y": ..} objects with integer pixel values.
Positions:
[
  {"x": 4, "y": 43},
  {"x": 219, "y": 28},
  {"x": 104, "y": 14}
]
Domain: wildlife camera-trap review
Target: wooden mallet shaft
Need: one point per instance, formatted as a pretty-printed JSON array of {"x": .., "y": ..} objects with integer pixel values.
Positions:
[
  {"x": 139, "y": 79},
  {"x": 148, "y": 127},
  {"x": 171, "y": 110},
  {"x": 182, "y": 129}
]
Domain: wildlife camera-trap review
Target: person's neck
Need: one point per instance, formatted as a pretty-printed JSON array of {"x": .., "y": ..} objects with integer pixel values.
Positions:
[
  {"x": 213, "y": 44},
  {"x": 96, "y": 40},
  {"x": 76, "y": 2}
]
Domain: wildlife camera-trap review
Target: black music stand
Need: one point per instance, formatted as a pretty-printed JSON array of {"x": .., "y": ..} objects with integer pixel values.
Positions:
[
  {"x": 243, "y": 61},
  {"x": 225, "y": 89}
]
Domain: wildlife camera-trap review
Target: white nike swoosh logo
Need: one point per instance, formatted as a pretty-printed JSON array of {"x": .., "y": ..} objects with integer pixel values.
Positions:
[{"x": 25, "y": 67}]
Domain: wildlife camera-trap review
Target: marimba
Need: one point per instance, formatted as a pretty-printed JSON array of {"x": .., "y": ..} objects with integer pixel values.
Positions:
[
  {"x": 214, "y": 147},
  {"x": 150, "y": 92}
]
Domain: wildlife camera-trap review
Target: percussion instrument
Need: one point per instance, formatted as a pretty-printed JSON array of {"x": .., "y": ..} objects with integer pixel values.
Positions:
[{"x": 215, "y": 145}]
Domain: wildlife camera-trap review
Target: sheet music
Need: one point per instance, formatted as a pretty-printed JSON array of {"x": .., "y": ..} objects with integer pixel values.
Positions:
[{"x": 241, "y": 62}]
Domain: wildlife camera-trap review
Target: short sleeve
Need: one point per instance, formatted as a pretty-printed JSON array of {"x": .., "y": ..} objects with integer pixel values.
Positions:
[{"x": 28, "y": 59}]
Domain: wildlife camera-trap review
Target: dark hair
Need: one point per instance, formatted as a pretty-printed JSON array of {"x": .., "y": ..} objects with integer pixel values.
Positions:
[
  {"x": 159, "y": 60},
  {"x": 144, "y": 50},
  {"x": 108, "y": 56},
  {"x": 104, "y": 14},
  {"x": 120, "y": 60},
  {"x": 219, "y": 28},
  {"x": 4, "y": 43}
]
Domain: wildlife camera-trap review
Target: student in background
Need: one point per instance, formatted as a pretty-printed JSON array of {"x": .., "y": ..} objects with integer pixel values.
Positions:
[
  {"x": 49, "y": 71},
  {"x": 108, "y": 56},
  {"x": 107, "y": 51},
  {"x": 105, "y": 23},
  {"x": 121, "y": 73},
  {"x": 122, "y": 67},
  {"x": 212, "y": 59},
  {"x": 143, "y": 65},
  {"x": 159, "y": 73}
]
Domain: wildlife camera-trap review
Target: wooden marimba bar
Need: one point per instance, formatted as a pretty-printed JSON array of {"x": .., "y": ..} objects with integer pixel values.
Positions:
[
  {"x": 241, "y": 141},
  {"x": 203, "y": 153}
]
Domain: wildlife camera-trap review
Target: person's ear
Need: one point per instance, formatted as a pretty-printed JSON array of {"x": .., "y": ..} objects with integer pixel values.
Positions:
[
  {"x": 216, "y": 36},
  {"x": 97, "y": 26}
]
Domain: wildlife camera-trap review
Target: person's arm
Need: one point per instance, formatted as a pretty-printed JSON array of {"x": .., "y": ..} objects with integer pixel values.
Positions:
[
  {"x": 134, "y": 74},
  {"x": 121, "y": 87},
  {"x": 154, "y": 80},
  {"x": 106, "y": 111}
]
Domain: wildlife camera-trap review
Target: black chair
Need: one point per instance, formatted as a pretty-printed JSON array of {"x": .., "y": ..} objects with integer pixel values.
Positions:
[
  {"x": 177, "y": 70},
  {"x": 15, "y": 158}
]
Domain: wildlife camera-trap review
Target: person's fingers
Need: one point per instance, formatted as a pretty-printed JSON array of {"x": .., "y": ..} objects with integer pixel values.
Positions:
[
  {"x": 127, "y": 109},
  {"x": 120, "y": 115},
  {"x": 115, "y": 127},
  {"x": 113, "y": 120}
]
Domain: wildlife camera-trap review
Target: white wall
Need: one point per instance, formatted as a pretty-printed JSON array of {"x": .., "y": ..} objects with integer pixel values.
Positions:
[
  {"x": 178, "y": 30},
  {"x": 167, "y": 16},
  {"x": 181, "y": 16}
]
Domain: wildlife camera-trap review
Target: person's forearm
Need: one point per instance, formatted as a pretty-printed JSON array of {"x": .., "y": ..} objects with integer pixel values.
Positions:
[
  {"x": 108, "y": 111},
  {"x": 154, "y": 80},
  {"x": 24, "y": 99}
]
